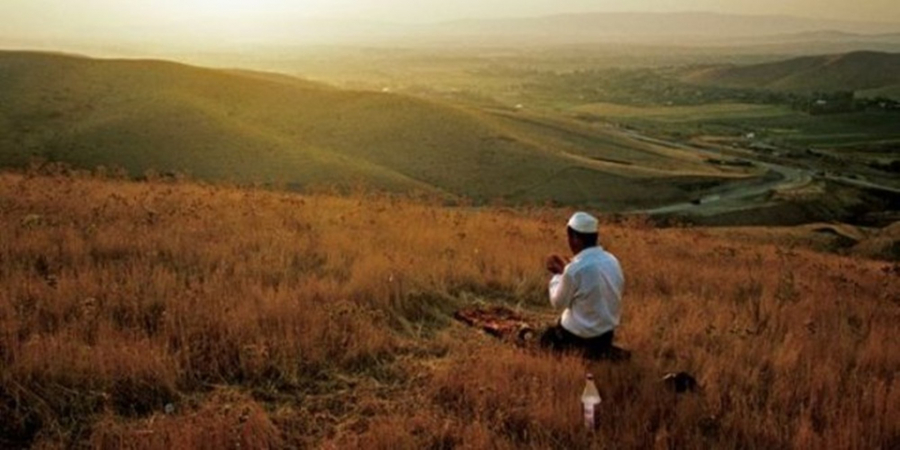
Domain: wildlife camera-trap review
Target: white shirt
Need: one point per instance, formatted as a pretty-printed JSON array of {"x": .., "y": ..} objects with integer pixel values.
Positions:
[{"x": 590, "y": 293}]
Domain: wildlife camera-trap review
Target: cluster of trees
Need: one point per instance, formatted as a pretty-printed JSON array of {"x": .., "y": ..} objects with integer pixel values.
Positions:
[
  {"x": 841, "y": 102},
  {"x": 826, "y": 103},
  {"x": 879, "y": 103}
]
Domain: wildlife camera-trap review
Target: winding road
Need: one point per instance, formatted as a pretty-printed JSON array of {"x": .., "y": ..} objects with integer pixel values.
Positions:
[{"x": 735, "y": 195}]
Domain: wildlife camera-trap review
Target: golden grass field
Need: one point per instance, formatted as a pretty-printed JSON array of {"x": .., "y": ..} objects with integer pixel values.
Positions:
[{"x": 275, "y": 320}]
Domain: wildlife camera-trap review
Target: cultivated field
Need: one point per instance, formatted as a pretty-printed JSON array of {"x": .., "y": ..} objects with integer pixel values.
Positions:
[
  {"x": 177, "y": 315},
  {"x": 693, "y": 113}
]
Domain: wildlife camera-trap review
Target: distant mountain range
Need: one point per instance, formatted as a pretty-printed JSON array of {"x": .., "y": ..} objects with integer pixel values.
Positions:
[
  {"x": 688, "y": 28},
  {"x": 857, "y": 71},
  {"x": 696, "y": 28}
]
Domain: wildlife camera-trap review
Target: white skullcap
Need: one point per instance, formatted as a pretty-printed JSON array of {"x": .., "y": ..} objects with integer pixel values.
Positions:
[{"x": 584, "y": 223}]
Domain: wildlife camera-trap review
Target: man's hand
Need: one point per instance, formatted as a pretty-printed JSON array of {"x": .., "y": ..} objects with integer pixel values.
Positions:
[{"x": 555, "y": 264}]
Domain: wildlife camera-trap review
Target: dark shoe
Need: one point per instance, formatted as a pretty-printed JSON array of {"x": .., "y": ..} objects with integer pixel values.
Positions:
[{"x": 612, "y": 353}]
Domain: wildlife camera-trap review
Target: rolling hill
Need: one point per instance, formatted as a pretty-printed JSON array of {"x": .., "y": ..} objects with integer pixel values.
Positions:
[
  {"x": 257, "y": 127},
  {"x": 858, "y": 71}
]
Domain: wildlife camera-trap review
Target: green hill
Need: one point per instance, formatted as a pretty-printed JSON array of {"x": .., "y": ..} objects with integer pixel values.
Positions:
[
  {"x": 257, "y": 127},
  {"x": 857, "y": 71}
]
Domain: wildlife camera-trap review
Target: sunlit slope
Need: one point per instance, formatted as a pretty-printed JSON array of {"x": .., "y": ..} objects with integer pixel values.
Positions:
[
  {"x": 143, "y": 114},
  {"x": 850, "y": 71},
  {"x": 248, "y": 126}
]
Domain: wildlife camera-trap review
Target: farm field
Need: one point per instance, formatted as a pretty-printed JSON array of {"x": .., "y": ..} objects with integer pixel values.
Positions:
[{"x": 698, "y": 113}]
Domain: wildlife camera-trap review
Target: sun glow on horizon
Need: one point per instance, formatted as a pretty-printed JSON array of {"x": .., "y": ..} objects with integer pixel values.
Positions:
[
  {"x": 241, "y": 10},
  {"x": 231, "y": 20}
]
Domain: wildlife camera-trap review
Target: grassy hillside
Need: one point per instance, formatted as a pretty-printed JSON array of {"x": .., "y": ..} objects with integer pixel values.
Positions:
[
  {"x": 250, "y": 126},
  {"x": 850, "y": 71},
  {"x": 250, "y": 319}
]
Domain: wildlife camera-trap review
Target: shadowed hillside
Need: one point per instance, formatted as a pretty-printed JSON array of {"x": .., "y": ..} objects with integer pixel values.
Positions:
[
  {"x": 258, "y": 127},
  {"x": 845, "y": 72}
]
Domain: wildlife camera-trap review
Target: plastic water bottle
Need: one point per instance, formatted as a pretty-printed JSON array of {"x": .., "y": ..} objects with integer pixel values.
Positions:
[{"x": 590, "y": 399}]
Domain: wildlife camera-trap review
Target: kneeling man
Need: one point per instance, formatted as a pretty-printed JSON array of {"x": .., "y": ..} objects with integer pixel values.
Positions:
[{"x": 588, "y": 290}]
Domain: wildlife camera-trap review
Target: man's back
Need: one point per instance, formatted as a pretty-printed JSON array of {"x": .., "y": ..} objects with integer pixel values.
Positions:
[{"x": 590, "y": 290}]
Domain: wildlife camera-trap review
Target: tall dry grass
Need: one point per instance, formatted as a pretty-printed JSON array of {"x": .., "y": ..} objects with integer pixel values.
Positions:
[{"x": 264, "y": 319}]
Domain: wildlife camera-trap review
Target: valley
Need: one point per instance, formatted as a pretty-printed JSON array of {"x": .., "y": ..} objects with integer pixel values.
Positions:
[{"x": 252, "y": 225}]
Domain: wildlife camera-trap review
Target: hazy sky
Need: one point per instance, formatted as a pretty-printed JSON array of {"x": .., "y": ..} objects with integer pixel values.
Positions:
[
  {"x": 104, "y": 17},
  {"x": 59, "y": 12}
]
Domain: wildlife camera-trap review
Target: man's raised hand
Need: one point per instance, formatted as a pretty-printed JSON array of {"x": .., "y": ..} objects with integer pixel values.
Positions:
[{"x": 555, "y": 264}]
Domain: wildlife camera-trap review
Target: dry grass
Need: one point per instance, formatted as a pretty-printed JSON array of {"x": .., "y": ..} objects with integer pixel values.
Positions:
[{"x": 276, "y": 320}]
